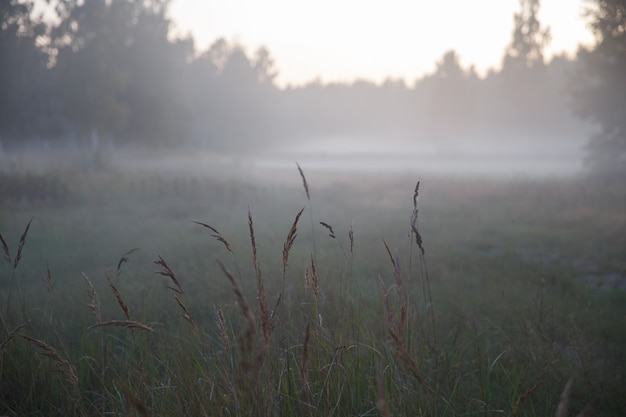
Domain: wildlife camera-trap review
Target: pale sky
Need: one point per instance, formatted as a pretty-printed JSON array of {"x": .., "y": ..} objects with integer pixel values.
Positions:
[{"x": 340, "y": 40}]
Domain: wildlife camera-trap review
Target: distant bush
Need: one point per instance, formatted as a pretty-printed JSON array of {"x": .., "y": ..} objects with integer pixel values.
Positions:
[{"x": 27, "y": 190}]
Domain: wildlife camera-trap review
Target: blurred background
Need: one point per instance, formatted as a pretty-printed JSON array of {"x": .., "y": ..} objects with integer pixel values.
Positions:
[{"x": 492, "y": 87}]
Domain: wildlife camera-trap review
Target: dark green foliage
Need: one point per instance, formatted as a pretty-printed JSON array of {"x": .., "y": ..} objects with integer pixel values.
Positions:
[
  {"x": 600, "y": 87},
  {"x": 26, "y": 103},
  {"x": 109, "y": 72}
]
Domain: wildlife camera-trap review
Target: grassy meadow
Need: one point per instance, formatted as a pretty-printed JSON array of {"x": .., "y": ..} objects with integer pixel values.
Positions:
[{"x": 143, "y": 293}]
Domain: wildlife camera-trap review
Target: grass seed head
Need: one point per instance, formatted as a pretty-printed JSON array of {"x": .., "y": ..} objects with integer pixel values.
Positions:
[
  {"x": 291, "y": 237},
  {"x": 94, "y": 299},
  {"x": 127, "y": 324},
  {"x": 166, "y": 271},
  {"x": 124, "y": 259},
  {"x": 304, "y": 182},
  {"x": 221, "y": 327},
  {"x": 118, "y": 297},
  {"x": 217, "y": 235},
  {"x": 328, "y": 227},
  {"x": 5, "y": 249},
  {"x": 63, "y": 364},
  {"x": 20, "y": 246}
]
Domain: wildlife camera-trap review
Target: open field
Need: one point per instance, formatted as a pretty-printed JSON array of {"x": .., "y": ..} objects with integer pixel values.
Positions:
[{"x": 520, "y": 289}]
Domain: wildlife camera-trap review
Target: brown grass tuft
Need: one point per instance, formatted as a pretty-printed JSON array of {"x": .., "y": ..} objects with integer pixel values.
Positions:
[{"x": 49, "y": 351}]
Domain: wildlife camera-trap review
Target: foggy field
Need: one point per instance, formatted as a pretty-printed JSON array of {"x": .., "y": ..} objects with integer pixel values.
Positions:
[
  {"x": 522, "y": 286},
  {"x": 355, "y": 209}
]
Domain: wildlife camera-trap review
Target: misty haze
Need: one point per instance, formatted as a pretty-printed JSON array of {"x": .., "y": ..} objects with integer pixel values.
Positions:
[{"x": 182, "y": 234}]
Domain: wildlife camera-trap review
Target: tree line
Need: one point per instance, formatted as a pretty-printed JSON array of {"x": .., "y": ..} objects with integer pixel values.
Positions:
[{"x": 110, "y": 71}]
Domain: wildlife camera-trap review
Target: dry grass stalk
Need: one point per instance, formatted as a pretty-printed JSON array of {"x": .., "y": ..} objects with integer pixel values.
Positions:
[
  {"x": 397, "y": 333},
  {"x": 119, "y": 298},
  {"x": 5, "y": 249},
  {"x": 312, "y": 273},
  {"x": 266, "y": 322},
  {"x": 12, "y": 334},
  {"x": 383, "y": 404},
  {"x": 94, "y": 305},
  {"x": 328, "y": 227},
  {"x": 20, "y": 246},
  {"x": 304, "y": 359},
  {"x": 50, "y": 283},
  {"x": 134, "y": 403},
  {"x": 402, "y": 324},
  {"x": 426, "y": 282},
  {"x": 351, "y": 237},
  {"x": 245, "y": 341},
  {"x": 397, "y": 275},
  {"x": 166, "y": 271},
  {"x": 291, "y": 237},
  {"x": 304, "y": 182},
  {"x": 387, "y": 304},
  {"x": 127, "y": 324},
  {"x": 49, "y": 351},
  {"x": 307, "y": 280},
  {"x": 187, "y": 316},
  {"x": 221, "y": 328},
  {"x": 561, "y": 409},
  {"x": 124, "y": 259},
  {"x": 403, "y": 352},
  {"x": 216, "y": 234},
  {"x": 523, "y": 397},
  {"x": 178, "y": 289},
  {"x": 399, "y": 327},
  {"x": 414, "y": 231}
]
